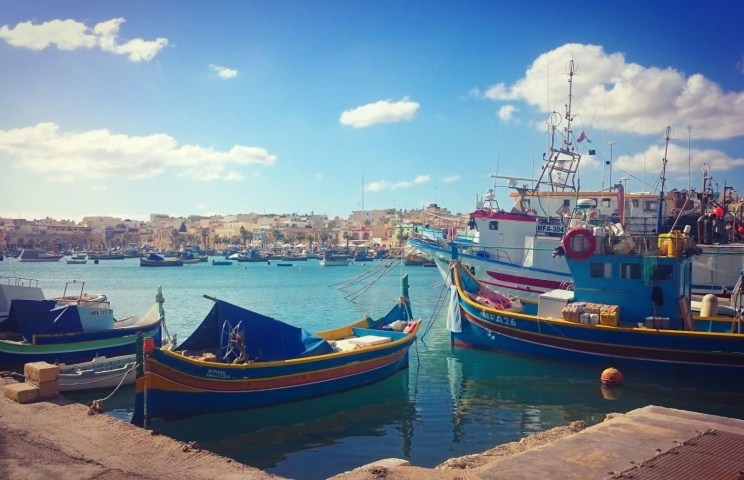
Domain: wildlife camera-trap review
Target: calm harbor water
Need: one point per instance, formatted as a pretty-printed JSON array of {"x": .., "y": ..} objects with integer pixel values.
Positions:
[{"x": 450, "y": 402}]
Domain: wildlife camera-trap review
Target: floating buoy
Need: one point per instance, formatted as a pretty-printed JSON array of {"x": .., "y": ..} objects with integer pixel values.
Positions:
[{"x": 612, "y": 377}]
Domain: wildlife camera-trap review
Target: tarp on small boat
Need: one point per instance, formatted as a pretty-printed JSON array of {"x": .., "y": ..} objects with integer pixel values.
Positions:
[
  {"x": 155, "y": 257},
  {"x": 37, "y": 317},
  {"x": 266, "y": 339}
]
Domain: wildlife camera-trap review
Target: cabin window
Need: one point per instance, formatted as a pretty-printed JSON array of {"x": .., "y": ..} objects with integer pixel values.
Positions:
[
  {"x": 606, "y": 203},
  {"x": 635, "y": 203},
  {"x": 650, "y": 206},
  {"x": 600, "y": 270},
  {"x": 630, "y": 271},
  {"x": 663, "y": 272},
  {"x": 493, "y": 225}
]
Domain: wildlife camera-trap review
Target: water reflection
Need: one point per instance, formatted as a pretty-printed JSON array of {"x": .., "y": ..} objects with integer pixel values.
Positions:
[
  {"x": 267, "y": 437},
  {"x": 520, "y": 396}
]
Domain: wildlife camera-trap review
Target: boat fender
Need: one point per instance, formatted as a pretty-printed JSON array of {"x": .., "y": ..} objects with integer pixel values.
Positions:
[
  {"x": 411, "y": 326},
  {"x": 579, "y": 243}
]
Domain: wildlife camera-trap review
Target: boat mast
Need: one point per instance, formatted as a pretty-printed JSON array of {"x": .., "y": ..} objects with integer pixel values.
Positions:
[
  {"x": 562, "y": 164},
  {"x": 667, "y": 134}
]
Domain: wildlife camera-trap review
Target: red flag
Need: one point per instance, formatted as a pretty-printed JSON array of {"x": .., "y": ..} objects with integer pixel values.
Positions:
[{"x": 582, "y": 137}]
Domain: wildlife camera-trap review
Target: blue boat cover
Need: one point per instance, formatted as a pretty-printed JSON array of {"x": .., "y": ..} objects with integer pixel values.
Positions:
[
  {"x": 36, "y": 317},
  {"x": 266, "y": 339},
  {"x": 155, "y": 257}
]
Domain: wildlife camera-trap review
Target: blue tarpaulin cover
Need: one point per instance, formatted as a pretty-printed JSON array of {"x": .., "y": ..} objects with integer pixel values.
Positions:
[
  {"x": 36, "y": 317},
  {"x": 266, "y": 339}
]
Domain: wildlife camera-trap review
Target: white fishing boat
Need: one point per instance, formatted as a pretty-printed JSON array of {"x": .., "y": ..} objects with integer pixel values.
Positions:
[
  {"x": 98, "y": 374},
  {"x": 335, "y": 260},
  {"x": 76, "y": 261},
  {"x": 512, "y": 249}
]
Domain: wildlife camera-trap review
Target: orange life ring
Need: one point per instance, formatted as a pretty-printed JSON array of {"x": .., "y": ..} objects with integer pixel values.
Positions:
[{"x": 579, "y": 243}]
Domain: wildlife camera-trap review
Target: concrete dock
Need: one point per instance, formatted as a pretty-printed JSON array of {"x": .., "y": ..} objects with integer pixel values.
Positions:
[{"x": 55, "y": 438}]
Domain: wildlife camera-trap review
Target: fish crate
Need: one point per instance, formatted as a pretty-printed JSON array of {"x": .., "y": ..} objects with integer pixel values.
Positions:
[
  {"x": 609, "y": 315},
  {"x": 661, "y": 323}
]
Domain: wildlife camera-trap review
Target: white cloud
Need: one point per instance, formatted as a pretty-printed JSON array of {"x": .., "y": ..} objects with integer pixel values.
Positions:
[
  {"x": 450, "y": 179},
  {"x": 224, "y": 72},
  {"x": 233, "y": 176},
  {"x": 52, "y": 154},
  {"x": 677, "y": 160},
  {"x": 71, "y": 35},
  {"x": 386, "y": 185},
  {"x": 422, "y": 179},
  {"x": 318, "y": 176},
  {"x": 382, "y": 111},
  {"x": 506, "y": 112},
  {"x": 626, "y": 97}
]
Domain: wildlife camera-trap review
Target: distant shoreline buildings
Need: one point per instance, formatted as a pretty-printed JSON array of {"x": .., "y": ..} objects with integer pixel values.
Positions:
[{"x": 362, "y": 229}]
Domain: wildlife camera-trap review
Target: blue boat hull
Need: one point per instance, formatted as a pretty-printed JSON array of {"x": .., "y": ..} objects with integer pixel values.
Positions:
[
  {"x": 193, "y": 401},
  {"x": 684, "y": 352},
  {"x": 76, "y": 348}
]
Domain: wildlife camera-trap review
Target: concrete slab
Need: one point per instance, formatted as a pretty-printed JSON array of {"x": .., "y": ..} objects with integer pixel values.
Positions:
[{"x": 610, "y": 447}]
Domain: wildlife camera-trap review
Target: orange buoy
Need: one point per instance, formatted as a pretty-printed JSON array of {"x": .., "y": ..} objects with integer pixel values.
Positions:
[{"x": 612, "y": 377}]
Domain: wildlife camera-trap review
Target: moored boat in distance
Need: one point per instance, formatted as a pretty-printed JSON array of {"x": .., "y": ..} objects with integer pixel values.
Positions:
[
  {"x": 239, "y": 359},
  {"x": 155, "y": 260},
  {"x": 34, "y": 255},
  {"x": 222, "y": 262},
  {"x": 331, "y": 259},
  {"x": 76, "y": 261}
]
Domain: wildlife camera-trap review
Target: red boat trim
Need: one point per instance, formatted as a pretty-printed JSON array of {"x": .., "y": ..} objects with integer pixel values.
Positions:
[{"x": 526, "y": 281}]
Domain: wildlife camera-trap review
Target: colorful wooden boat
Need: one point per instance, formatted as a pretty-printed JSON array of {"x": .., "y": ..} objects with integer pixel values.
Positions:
[
  {"x": 238, "y": 359},
  {"x": 629, "y": 308},
  {"x": 54, "y": 331}
]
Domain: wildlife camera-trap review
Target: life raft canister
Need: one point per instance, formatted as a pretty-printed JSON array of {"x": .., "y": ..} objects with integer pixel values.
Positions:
[{"x": 579, "y": 243}]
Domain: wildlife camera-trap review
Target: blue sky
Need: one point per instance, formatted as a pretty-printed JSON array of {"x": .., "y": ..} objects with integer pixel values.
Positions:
[{"x": 128, "y": 108}]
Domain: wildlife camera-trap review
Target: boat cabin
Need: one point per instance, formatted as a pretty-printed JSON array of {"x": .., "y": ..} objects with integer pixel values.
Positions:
[{"x": 629, "y": 281}]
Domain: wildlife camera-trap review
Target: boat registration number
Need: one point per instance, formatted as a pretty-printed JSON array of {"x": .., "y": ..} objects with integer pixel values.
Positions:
[
  {"x": 547, "y": 228},
  {"x": 214, "y": 373}
]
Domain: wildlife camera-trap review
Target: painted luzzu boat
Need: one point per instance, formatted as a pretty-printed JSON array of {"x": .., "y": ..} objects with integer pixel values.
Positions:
[
  {"x": 238, "y": 359},
  {"x": 71, "y": 332},
  {"x": 629, "y": 308}
]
